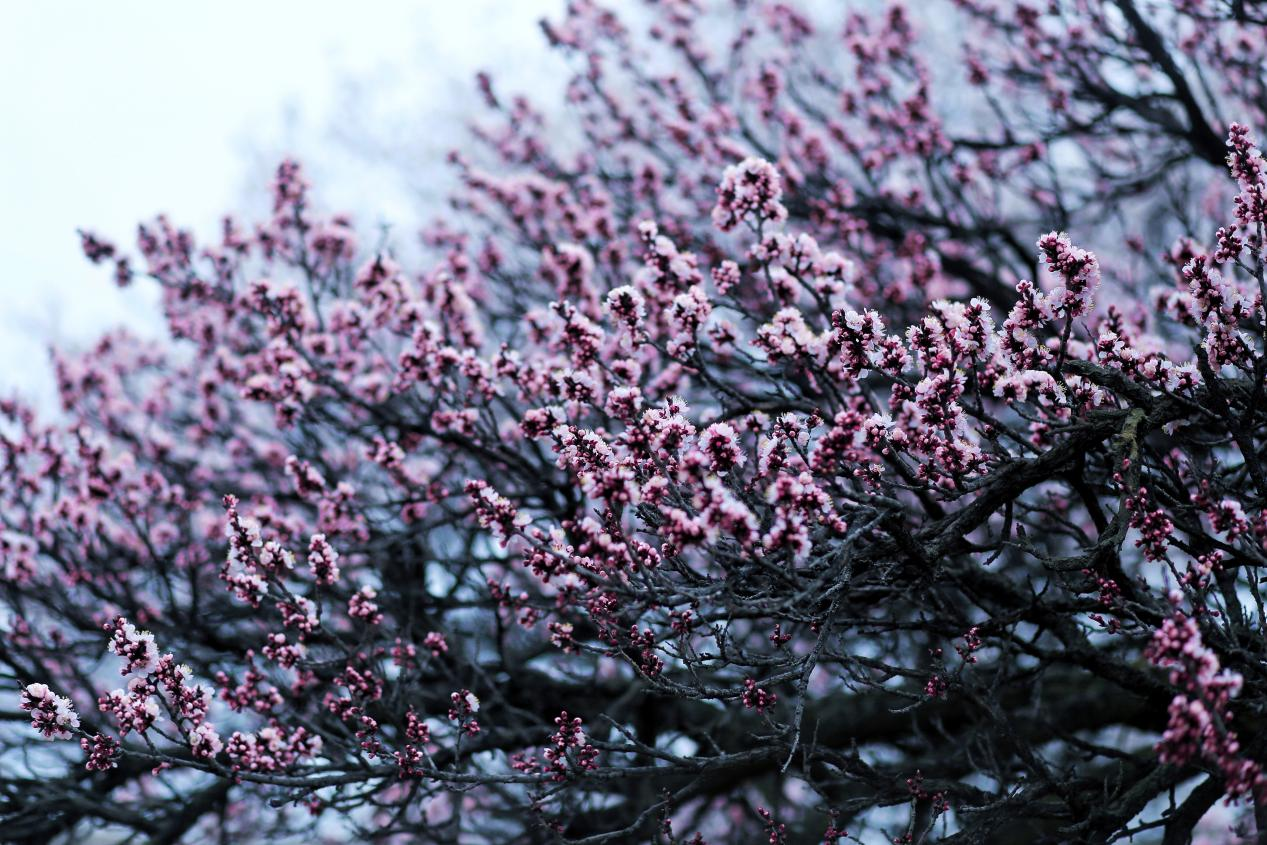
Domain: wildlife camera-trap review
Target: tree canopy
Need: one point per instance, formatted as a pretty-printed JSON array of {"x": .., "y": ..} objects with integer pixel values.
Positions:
[{"x": 818, "y": 429}]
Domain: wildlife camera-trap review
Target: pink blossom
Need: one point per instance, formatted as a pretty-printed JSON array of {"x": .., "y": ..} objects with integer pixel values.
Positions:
[{"x": 52, "y": 715}]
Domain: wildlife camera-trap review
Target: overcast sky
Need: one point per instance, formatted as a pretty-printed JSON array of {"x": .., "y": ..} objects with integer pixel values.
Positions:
[{"x": 116, "y": 111}]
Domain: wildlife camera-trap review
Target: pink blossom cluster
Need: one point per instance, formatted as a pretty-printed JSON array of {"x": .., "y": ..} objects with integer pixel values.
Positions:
[
  {"x": 271, "y": 749},
  {"x": 1201, "y": 712},
  {"x": 749, "y": 191},
  {"x": 52, "y": 715},
  {"x": 568, "y": 750}
]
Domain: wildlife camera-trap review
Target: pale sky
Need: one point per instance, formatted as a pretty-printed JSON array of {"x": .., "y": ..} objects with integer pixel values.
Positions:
[{"x": 116, "y": 111}]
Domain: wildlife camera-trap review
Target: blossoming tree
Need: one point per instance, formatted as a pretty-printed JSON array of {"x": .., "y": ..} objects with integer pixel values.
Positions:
[{"x": 751, "y": 457}]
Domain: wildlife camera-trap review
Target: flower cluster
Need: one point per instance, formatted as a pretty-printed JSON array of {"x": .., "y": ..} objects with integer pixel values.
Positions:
[
  {"x": 137, "y": 648},
  {"x": 750, "y": 190},
  {"x": 1201, "y": 712},
  {"x": 52, "y": 715},
  {"x": 568, "y": 750}
]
